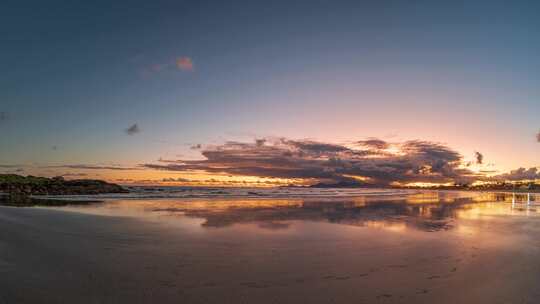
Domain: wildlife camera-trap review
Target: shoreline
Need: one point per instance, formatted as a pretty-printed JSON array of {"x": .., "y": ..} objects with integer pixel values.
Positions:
[{"x": 329, "y": 194}]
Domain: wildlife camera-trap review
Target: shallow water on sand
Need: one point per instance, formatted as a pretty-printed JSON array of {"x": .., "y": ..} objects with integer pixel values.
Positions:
[
  {"x": 405, "y": 211},
  {"x": 414, "y": 247}
]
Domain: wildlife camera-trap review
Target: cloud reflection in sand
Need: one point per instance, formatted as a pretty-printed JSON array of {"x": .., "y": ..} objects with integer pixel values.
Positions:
[{"x": 427, "y": 211}]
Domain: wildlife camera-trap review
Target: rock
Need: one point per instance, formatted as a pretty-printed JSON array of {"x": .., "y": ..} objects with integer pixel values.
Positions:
[{"x": 16, "y": 185}]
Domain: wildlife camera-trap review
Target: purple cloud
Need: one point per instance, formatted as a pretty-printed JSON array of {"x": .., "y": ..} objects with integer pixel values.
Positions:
[
  {"x": 374, "y": 143},
  {"x": 416, "y": 161},
  {"x": 520, "y": 174}
]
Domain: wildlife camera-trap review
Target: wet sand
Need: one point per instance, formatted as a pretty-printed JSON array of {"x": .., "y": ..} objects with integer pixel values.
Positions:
[{"x": 415, "y": 250}]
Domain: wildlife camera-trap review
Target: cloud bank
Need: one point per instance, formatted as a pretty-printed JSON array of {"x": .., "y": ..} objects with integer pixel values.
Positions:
[
  {"x": 373, "y": 160},
  {"x": 520, "y": 174}
]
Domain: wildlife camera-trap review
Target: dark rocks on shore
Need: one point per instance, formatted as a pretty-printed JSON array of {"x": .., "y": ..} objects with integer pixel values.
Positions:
[{"x": 16, "y": 185}]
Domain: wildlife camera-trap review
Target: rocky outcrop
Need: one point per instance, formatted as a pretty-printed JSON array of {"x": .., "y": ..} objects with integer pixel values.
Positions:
[{"x": 30, "y": 185}]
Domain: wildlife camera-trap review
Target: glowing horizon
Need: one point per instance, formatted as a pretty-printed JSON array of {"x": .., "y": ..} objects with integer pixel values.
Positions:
[{"x": 272, "y": 162}]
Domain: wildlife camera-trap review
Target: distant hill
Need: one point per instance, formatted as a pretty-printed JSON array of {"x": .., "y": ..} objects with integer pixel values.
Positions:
[
  {"x": 31, "y": 185},
  {"x": 342, "y": 184}
]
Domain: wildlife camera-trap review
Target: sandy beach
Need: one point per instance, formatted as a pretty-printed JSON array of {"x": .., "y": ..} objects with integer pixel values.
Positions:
[
  {"x": 257, "y": 152},
  {"x": 423, "y": 249}
]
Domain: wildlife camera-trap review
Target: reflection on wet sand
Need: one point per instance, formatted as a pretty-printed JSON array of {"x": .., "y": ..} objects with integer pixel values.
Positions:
[{"x": 425, "y": 211}]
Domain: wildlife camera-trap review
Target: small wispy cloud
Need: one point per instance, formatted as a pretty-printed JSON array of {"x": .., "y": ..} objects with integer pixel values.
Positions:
[
  {"x": 8, "y": 166},
  {"x": 3, "y": 116},
  {"x": 11, "y": 169},
  {"x": 74, "y": 174},
  {"x": 479, "y": 157},
  {"x": 158, "y": 67},
  {"x": 133, "y": 129},
  {"x": 184, "y": 63},
  {"x": 93, "y": 167},
  {"x": 538, "y": 136},
  {"x": 179, "y": 179}
]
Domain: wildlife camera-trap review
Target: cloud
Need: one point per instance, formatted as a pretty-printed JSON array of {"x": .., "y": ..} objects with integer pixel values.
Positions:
[
  {"x": 94, "y": 167},
  {"x": 132, "y": 130},
  {"x": 520, "y": 174},
  {"x": 538, "y": 137},
  {"x": 313, "y": 147},
  {"x": 9, "y": 166},
  {"x": 479, "y": 157},
  {"x": 184, "y": 63},
  {"x": 179, "y": 179},
  {"x": 374, "y": 143},
  {"x": 158, "y": 67},
  {"x": 196, "y": 147},
  {"x": 74, "y": 175},
  {"x": 3, "y": 116},
  {"x": 11, "y": 169},
  {"x": 260, "y": 142},
  {"x": 410, "y": 161}
]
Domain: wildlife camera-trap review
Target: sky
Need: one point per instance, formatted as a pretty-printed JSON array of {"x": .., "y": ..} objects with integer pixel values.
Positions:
[{"x": 120, "y": 92}]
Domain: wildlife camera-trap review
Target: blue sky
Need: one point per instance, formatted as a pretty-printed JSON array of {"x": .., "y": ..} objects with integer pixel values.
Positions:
[{"x": 76, "y": 74}]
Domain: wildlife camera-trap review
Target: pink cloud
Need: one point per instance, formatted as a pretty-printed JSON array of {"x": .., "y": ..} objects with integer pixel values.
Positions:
[
  {"x": 184, "y": 63},
  {"x": 158, "y": 67}
]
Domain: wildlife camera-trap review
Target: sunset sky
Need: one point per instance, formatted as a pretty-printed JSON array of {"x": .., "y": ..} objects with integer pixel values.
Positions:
[{"x": 181, "y": 90}]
